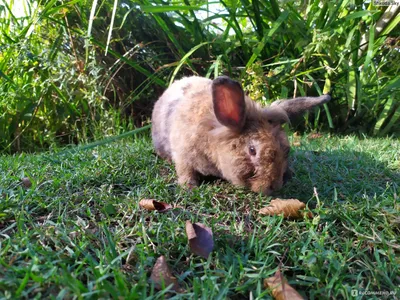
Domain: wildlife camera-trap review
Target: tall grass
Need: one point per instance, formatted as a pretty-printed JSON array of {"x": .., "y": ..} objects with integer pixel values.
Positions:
[
  {"x": 48, "y": 93},
  {"x": 285, "y": 49},
  {"x": 76, "y": 70}
]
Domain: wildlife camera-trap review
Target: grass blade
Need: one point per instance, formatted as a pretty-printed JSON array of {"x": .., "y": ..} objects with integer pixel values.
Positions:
[
  {"x": 90, "y": 25},
  {"x": 370, "y": 50},
  {"x": 393, "y": 121},
  {"x": 183, "y": 60},
  {"x": 383, "y": 115},
  {"x": 111, "y": 24},
  {"x": 168, "y": 8},
  {"x": 262, "y": 44},
  {"x": 105, "y": 141}
]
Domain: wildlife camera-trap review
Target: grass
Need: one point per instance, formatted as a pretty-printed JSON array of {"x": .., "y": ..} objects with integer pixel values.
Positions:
[{"x": 78, "y": 231}]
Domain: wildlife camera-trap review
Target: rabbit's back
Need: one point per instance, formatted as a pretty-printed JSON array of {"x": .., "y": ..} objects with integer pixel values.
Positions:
[{"x": 179, "y": 112}]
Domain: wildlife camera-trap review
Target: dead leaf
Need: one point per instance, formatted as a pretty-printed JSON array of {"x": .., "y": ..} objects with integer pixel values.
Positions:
[
  {"x": 315, "y": 135},
  {"x": 200, "y": 239},
  {"x": 162, "y": 274},
  {"x": 296, "y": 143},
  {"x": 26, "y": 182},
  {"x": 151, "y": 204},
  {"x": 290, "y": 208},
  {"x": 281, "y": 290}
]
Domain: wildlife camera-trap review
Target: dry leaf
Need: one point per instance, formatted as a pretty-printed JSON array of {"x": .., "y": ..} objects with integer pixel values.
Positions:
[
  {"x": 296, "y": 143},
  {"x": 26, "y": 182},
  {"x": 281, "y": 290},
  {"x": 161, "y": 274},
  {"x": 200, "y": 239},
  {"x": 151, "y": 204},
  {"x": 290, "y": 208},
  {"x": 315, "y": 135}
]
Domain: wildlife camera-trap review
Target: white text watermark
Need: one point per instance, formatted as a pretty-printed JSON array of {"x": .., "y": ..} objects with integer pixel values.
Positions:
[
  {"x": 386, "y": 2},
  {"x": 356, "y": 293}
]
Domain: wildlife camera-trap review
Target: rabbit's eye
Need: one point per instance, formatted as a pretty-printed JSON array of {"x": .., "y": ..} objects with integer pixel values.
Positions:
[{"x": 252, "y": 150}]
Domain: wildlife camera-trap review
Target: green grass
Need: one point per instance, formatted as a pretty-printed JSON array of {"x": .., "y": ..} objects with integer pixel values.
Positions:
[{"x": 78, "y": 231}]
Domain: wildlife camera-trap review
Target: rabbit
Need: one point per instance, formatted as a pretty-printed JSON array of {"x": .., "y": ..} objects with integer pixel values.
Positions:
[{"x": 210, "y": 127}]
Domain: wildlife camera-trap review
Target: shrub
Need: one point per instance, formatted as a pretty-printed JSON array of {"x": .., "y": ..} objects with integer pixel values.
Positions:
[{"x": 64, "y": 83}]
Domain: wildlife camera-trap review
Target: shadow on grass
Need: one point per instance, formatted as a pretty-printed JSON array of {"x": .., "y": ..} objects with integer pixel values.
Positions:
[{"x": 338, "y": 175}]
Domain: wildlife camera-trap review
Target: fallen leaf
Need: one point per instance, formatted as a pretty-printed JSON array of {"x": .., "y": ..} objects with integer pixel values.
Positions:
[
  {"x": 315, "y": 135},
  {"x": 200, "y": 239},
  {"x": 281, "y": 290},
  {"x": 162, "y": 274},
  {"x": 26, "y": 182},
  {"x": 151, "y": 204},
  {"x": 296, "y": 143},
  {"x": 290, "y": 208}
]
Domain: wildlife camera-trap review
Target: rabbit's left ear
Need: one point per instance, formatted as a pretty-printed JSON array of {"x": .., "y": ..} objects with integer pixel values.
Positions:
[
  {"x": 229, "y": 103},
  {"x": 299, "y": 105}
]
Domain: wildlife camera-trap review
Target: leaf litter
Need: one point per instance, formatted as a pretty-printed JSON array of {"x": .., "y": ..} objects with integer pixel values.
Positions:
[{"x": 201, "y": 243}]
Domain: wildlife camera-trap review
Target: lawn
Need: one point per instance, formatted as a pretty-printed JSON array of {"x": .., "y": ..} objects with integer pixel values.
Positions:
[{"x": 78, "y": 231}]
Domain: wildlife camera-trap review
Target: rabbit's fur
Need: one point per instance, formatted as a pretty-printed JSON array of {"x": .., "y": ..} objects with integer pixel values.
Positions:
[{"x": 210, "y": 127}]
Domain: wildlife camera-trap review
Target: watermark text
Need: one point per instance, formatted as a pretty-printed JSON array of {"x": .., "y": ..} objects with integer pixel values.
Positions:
[
  {"x": 356, "y": 293},
  {"x": 386, "y": 2}
]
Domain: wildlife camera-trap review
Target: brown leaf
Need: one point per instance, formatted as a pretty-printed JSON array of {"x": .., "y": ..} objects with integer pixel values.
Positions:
[
  {"x": 296, "y": 143},
  {"x": 290, "y": 208},
  {"x": 26, "y": 182},
  {"x": 200, "y": 239},
  {"x": 281, "y": 290},
  {"x": 161, "y": 274},
  {"x": 151, "y": 204},
  {"x": 315, "y": 135}
]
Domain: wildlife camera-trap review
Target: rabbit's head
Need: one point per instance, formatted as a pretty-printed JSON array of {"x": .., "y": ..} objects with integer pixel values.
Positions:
[{"x": 251, "y": 145}]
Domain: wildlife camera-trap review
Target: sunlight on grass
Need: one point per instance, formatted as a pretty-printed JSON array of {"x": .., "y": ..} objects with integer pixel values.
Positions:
[{"x": 79, "y": 231}]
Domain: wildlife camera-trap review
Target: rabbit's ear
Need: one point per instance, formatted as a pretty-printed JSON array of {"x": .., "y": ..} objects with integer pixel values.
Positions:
[
  {"x": 299, "y": 105},
  {"x": 229, "y": 103},
  {"x": 275, "y": 115}
]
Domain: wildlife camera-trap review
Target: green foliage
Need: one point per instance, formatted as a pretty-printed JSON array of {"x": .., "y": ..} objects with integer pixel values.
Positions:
[
  {"x": 74, "y": 71},
  {"x": 48, "y": 94},
  {"x": 283, "y": 49}
]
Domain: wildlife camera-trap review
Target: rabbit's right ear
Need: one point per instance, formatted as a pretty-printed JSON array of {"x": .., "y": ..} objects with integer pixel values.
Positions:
[
  {"x": 229, "y": 103},
  {"x": 299, "y": 105}
]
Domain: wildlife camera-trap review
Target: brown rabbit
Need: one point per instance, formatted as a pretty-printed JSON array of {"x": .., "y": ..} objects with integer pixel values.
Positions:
[{"x": 211, "y": 127}]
